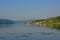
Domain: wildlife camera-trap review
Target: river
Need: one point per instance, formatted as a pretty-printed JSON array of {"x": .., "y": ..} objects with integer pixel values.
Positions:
[{"x": 28, "y": 32}]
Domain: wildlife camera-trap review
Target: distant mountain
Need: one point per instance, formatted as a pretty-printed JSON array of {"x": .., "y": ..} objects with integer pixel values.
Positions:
[
  {"x": 6, "y": 21},
  {"x": 23, "y": 21}
]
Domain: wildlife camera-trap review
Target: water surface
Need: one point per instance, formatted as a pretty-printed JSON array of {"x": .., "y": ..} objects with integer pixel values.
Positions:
[{"x": 28, "y": 32}]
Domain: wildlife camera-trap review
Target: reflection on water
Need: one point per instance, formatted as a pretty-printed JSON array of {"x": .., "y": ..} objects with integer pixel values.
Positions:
[
  {"x": 28, "y": 32},
  {"x": 56, "y": 26}
]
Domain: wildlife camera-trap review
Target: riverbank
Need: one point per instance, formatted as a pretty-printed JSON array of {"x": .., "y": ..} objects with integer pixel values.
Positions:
[{"x": 53, "y": 22}]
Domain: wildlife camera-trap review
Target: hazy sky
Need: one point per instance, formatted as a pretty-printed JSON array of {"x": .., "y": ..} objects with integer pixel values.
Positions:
[{"x": 29, "y": 9}]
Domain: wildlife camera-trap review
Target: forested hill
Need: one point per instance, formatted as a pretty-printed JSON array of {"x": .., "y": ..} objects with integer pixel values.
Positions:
[{"x": 6, "y": 21}]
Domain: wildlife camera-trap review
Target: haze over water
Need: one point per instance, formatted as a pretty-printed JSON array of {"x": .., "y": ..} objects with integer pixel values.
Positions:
[{"x": 21, "y": 10}]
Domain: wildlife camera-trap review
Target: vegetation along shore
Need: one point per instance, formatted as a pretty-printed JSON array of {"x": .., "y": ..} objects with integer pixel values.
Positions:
[{"x": 53, "y": 22}]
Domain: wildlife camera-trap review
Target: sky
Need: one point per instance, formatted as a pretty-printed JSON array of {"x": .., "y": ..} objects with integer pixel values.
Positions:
[{"x": 29, "y": 9}]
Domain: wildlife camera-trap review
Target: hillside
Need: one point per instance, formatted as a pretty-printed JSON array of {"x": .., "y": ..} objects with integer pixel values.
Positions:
[{"x": 6, "y": 21}]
